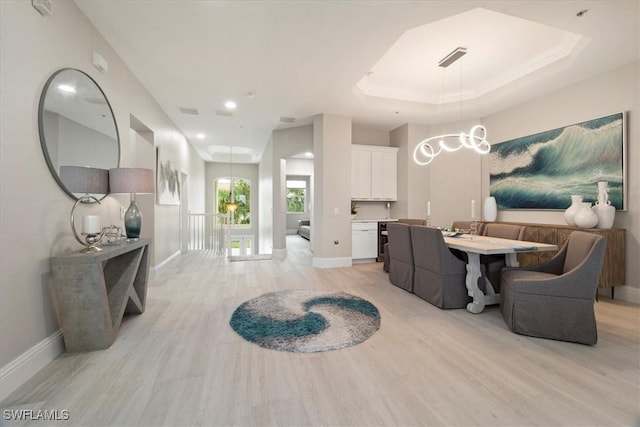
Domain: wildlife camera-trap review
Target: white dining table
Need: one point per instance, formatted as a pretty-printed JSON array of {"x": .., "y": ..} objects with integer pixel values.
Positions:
[{"x": 474, "y": 246}]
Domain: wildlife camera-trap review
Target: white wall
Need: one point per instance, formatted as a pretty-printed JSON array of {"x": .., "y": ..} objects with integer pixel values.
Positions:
[
  {"x": 609, "y": 93},
  {"x": 364, "y": 135},
  {"x": 34, "y": 210},
  {"x": 265, "y": 176}
]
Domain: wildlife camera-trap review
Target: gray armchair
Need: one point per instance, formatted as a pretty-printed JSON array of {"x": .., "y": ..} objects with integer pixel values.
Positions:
[
  {"x": 439, "y": 276},
  {"x": 401, "y": 256},
  {"x": 555, "y": 299}
]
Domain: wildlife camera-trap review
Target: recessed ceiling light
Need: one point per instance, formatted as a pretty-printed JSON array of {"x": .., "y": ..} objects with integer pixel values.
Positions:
[
  {"x": 200, "y": 136},
  {"x": 231, "y": 105},
  {"x": 66, "y": 88}
]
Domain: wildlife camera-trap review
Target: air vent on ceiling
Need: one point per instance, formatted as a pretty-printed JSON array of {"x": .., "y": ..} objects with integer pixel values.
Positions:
[
  {"x": 43, "y": 6},
  {"x": 192, "y": 111},
  {"x": 224, "y": 113},
  {"x": 287, "y": 119}
]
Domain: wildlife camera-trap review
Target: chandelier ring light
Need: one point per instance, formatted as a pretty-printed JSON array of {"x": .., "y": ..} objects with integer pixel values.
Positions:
[{"x": 476, "y": 139}]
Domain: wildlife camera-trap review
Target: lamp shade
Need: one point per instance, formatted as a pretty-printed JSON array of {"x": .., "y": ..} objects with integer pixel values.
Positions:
[
  {"x": 131, "y": 180},
  {"x": 85, "y": 180}
]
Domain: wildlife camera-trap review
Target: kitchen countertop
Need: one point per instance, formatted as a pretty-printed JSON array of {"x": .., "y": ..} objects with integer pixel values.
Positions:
[{"x": 374, "y": 220}]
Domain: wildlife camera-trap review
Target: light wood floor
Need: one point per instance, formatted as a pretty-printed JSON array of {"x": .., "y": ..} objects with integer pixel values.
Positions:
[{"x": 180, "y": 364}]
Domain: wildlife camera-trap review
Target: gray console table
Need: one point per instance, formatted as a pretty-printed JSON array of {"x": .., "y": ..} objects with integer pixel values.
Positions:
[{"x": 95, "y": 290}]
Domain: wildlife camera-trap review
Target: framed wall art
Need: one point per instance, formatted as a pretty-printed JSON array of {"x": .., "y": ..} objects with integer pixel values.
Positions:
[
  {"x": 543, "y": 170},
  {"x": 168, "y": 178}
]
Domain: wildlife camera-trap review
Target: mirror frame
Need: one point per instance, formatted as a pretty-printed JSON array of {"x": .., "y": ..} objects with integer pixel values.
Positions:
[{"x": 43, "y": 140}]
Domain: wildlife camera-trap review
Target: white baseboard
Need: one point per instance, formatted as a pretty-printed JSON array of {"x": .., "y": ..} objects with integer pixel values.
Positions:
[
  {"x": 23, "y": 367},
  {"x": 624, "y": 293},
  {"x": 163, "y": 263},
  {"x": 279, "y": 253},
  {"x": 331, "y": 262},
  {"x": 363, "y": 260}
]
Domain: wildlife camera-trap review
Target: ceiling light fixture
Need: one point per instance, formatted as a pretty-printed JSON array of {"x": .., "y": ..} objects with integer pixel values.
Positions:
[
  {"x": 200, "y": 136},
  {"x": 230, "y": 105},
  {"x": 424, "y": 153},
  {"x": 231, "y": 204}
]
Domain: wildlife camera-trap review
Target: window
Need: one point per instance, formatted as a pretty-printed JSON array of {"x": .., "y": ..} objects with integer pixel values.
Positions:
[
  {"x": 241, "y": 192},
  {"x": 296, "y": 196}
]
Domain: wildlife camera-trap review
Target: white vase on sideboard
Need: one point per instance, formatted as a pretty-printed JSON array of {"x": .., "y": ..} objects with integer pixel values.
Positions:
[
  {"x": 586, "y": 217},
  {"x": 603, "y": 209},
  {"x": 490, "y": 209},
  {"x": 576, "y": 205}
]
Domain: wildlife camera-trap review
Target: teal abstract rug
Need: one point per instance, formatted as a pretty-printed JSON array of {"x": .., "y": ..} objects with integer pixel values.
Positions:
[{"x": 306, "y": 321}]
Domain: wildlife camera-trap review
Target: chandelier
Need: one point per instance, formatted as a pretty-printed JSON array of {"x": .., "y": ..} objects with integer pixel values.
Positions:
[
  {"x": 476, "y": 139},
  {"x": 231, "y": 204}
]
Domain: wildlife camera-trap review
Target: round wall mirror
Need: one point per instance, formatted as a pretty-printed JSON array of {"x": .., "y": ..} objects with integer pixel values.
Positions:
[{"x": 78, "y": 133}]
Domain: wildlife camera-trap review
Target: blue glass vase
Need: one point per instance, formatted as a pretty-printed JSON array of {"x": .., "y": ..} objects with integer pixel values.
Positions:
[{"x": 133, "y": 220}]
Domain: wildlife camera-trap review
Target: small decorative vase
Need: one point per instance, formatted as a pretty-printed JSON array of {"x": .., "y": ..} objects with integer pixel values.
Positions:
[
  {"x": 571, "y": 211},
  {"x": 133, "y": 220},
  {"x": 490, "y": 209},
  {"x": 586, "y": 217},
  {"x": 603, "y": 209}
]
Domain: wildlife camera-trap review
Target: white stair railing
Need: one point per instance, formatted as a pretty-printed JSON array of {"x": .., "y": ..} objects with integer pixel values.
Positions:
[{"x": 207, "y": 232}]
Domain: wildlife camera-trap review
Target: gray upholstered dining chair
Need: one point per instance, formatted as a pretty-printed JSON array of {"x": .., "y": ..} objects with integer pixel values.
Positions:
[
  {"x": 410, "y": 221},
  {"x": 492, "y": 264},
  {"x": 555, "y": 299},
  {"x": 401, "y": 256},
  {"x": 439, "y": 276}
]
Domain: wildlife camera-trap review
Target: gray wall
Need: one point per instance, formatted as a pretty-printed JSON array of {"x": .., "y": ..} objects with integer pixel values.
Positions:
[
  {"x": 34, "y": 210},
  {"x": 331, "y": 231},
  {"x": 608, "y": 93}
]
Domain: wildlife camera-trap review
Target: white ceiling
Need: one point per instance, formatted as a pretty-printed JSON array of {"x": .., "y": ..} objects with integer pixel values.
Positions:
[{"x": 375, "y": 61}]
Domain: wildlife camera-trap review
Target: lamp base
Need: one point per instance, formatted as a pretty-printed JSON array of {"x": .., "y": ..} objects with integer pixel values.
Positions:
[{"x": 133, "y": 220}]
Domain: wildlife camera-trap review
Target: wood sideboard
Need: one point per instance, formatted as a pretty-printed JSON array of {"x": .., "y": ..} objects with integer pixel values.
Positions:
[
  {"x": 94, "y": 291},
  {"x": 614, "y": 266}
]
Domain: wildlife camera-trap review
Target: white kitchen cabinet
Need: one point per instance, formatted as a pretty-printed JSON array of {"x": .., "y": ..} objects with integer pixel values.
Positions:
[
  {"x": 374, "y": 172},
  {"x": 360, "y": 174},
  {"x": 364, "y": 240}
]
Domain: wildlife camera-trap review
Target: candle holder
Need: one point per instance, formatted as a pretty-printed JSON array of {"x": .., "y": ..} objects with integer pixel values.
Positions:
[
  {"x": 473, "y": 227},
  {"x": 113, "y": 235},
  {"x": 92, "y": 239}
]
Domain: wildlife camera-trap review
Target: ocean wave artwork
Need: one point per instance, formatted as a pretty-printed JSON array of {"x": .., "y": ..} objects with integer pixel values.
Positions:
[{"x": 542, "y": 171}]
